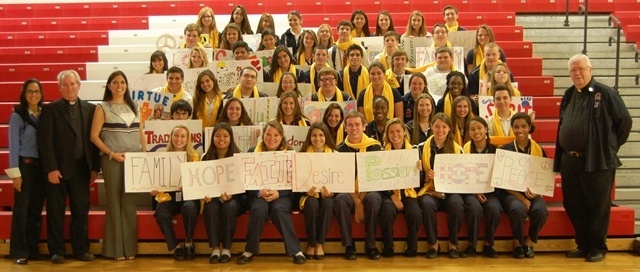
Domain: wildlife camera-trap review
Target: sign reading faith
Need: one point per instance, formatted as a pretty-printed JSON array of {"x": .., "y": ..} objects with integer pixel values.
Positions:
[
  {"x": 387, "y": 170},
  {"x": 210, "y": 178},
  {"x": 517, "y": 171},
  {"x": 266, "y": 170},
  {"x": 518, "y": 104},
  {"x": 331, "y": 170},
  {"x": 158, "y": 134},
  {"x": 464, "y": 174},
  {"x": 148, "y": 171},
  {"x": 295, "y": 136}
]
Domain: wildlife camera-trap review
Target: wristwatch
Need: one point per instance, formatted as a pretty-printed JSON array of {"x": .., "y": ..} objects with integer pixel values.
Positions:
[{"x": 444, "y": 196}]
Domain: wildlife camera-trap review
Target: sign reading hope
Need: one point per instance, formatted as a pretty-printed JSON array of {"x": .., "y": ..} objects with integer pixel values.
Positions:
[
  {"x": 463, "y": 173},
  {"x": 211, "y": 178}
]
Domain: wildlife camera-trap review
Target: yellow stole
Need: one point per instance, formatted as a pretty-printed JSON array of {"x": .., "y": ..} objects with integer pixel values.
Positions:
[
  {"x": 338, "y": 96},
  {"x": 354, "y": 34},
  {"x": 302, "y": 58},
  {"x": 312, "y": 76},
  {"x": 177, "y": 96},
  {"x": 237, "y": 93},
  {"x": 363, "y": 81},
  {"x": 277, "y": 75},
  {"x": 447, "y": 104},
  {"x": 433, "y": 45},
  {"x": 301, "y": 122},
  {"x": 362, "y": 147},
  {"x": 453, "y": 28},
  {"x": 343, "y": 47},
  {"x": 483, "y": 69},
  {"x": 202, "y": 113},
  {"x": 340, "y": 134},
  {"x": 457, "y": 136},
  {"x": 213, "y": 38},
  {"x": 387, "y": 92},
  {"x": 479, "y": 55},
  {"x": 535, "y": 150},
  {"x": 408, "y": 191},
  {"x": 391, "y": 78},
  {"x": 426, "y": 163},
  {"x": 467, "y": 147},
  {"x": 498, "y": 130},
  {"x": 421, "y": 69},
  {"x": 383, "y": 59}
]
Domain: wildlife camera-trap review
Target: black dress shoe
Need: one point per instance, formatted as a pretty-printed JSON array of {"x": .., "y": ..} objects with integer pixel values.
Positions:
[
  {"x": 244, "y": 259},
  {"x": 190, "y": 252},
  {"x": 37, "y": 256},
  {"x": 577, "y": 253},
  {"x": 225, "y": 258},
  {"x": 595, "y": 257},
  {"x": 299, "y": 259},
  {"x": 57, "y": 259},
  {"x": 470, "y": 251},
  {"x": 432, "y": 253},
  {"x": 318, "y": 257},
  {"x": 20, "y": 261},
  {"x": 528, "y": 252},
  {"x": 178, "y": 254},
  {"x": 410, "y": 253},
  {"x": 453, "y": 253},
  {"x": 214, "y": 259},
  {"x": 350, "y": 253},
  {"x": 388, "y": 252},
  {"x": 518, "y": 252},
  {"x": 85, "y": 257},
  {"x": 372, "y": 253},
  {"x": 489, "y": 252}
]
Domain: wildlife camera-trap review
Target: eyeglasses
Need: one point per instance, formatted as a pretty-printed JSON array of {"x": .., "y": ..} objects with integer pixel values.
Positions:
[
  {"x": 34, "y": 92},
  {"x": 248, "y": 76},
  {"x": 327, "y": 79},
  {"x": 207, "y": 17}
]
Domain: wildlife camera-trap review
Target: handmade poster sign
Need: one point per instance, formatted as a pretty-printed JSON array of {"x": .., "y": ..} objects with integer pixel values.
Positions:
[
  {"x": 148, "y": 171},
  {"x": 315, "y": 110},
  {"x": 153, "y": 105},
  {"x": 331, "y": 170},
  {"x": 464, "y": 39},
  {"x": 517, "y": 171},
  {"x": 426, "y": 55},
  {"x": 181, "y": 57},
  {"x": 261, "y": 109},
  {"x": 222, "y": 54},
  {"x": 266, "y": 170},
  {"x": 227, "y": 72},
  {"x": 387, "y": 170},
  {"x": 371, "y": 44},
  {"x": 437, "y": 84},
  {"x": 158, "y": 133},
  {"x": 191, "y": 79},
  {"x": 463, "y": 173},
  {"x": 295, "y": 136},
  {"x": 264, "y": 56},
  {"x": 253, "y": 40},
  {"x": 518, "y": 104},
  {"x": 410, "y": 44},
  {"x": 244, "y": 136},
  {"x": 210, "y": 178}
]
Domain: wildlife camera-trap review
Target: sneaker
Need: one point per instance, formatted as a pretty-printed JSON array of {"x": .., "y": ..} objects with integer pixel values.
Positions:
[{"x": 489, "y": 252}]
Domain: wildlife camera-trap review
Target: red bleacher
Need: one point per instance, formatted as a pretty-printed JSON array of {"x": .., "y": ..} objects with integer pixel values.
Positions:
[
  {"x": 42, "y": 71},
  {"x": 632, "y": 33},
  {"x": 73, "y": 24},
  {"x": 54, "y": 38},
  {"x": 53, "y": 54}
]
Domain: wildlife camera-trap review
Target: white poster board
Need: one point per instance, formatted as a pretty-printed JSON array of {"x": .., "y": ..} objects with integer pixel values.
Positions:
[
  {"x": 463, "y": 173},
  {"x": 245, "y": 137},
  {"x": 191, "y": 79},
  {"x": 253, "y": 40},
  {"x": 227, "y": 72},
  {"x": 371, "y": 44},
  {"x": 518, "y": 104},
  {"x": 222, "y": 54},
  {"x": 387, "y": 170},
  {"x": 426, "y": 55},
  {"x": 158, "y": 133},
  {"x": 148, "y": 171},
  {"x": 410, "y": 44},
  {"x": 266, "y": 170},
  {"x": 437, "y": 84},
  {"x": 264, "y": 56},
  {"x": 464, "y": 39},
  {"x": 331, "y": 170},
  {"x": 153, "y": 105},
  {"x": 261, "y": 109},
  {"x": 180, "y": 57},
  {"x": 314, "y": 110},
  {"x": 210, "y": 178},
  {"x": 295, "y": 136},
  {"x": 517, "y": 171}
]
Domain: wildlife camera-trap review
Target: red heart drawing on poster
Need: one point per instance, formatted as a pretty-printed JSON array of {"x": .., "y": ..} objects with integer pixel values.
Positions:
[{"x": 256, "y": 64}]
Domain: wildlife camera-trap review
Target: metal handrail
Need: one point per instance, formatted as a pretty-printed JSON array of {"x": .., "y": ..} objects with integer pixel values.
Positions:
[
  {"x": 566, "y": 18},
  {"x": 617, "y": 40},
  {"x": 638, "y": 79},
  {"x": 584, "y": 8},
  {"x": 637, "y": 57}
]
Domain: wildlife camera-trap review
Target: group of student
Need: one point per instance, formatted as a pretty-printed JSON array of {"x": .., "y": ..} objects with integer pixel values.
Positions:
[{"x": 385, "y": 120}]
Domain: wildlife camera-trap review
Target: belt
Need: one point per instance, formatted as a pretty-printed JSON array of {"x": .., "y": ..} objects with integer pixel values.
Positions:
[
  {"x": 29, "y": 160},
  {"x": 575, "y": 154}
]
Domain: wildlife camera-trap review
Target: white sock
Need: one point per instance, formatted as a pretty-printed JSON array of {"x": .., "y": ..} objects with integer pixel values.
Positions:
[
  {"x": 299, "y": 253},
  {"x": 188, "y": 244},
  {"x": 226, "y": 251},
  {"x": 247, "y": 254},
  {"x": 216, "y": 252}
]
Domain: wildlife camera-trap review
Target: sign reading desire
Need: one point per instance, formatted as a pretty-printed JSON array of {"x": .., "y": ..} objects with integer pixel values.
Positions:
[
  {"x": 387, "y": 170},
  {"x": 331, "y": 170},
  {"x": 266, "y": 170},
  {"x": 210, "y": 178},
  {"x": 517, "y": 171},
  {"x": 463, "y": 173},
  {"x": 148, "y": 171}
]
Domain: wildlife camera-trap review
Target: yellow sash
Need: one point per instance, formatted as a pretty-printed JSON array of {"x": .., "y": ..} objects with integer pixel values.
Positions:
[
  {"x": 433, "y": 45},
  {"x": 312, "y": 76},
  {"x": 362, "y": 145},
  {"x": 340, "y": 134},
  {"x": 426, "y": 164},
  {"x": 368, "y": 101},
  {"x": 479, "y": 55},
  {"x": 354, "y": 34},
  {"x": 202, "y": 113},
  {"x": 177, "y": 96},
  {"x": 498, "y": 130},
  {"x": 391, "y": 78},
  {"x": 447, "y": 104},
  {"x": 277, "y": 75},
  {"x": 383, "y": 59},
  {"x": 454, "y": 27},
  {"x": 363, "y": 81},
  {"x": 457, "y": 136},
  {"x": 338, "y": 95},
  {"x": 535, "y": 150},
  {"x": 237, "y": 93}
]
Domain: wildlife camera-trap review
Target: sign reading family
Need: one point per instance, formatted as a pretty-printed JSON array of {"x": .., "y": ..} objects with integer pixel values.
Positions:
[
  {"x": 266, "y": 170},
  {"x": 331, "y": 170},
  {"x": 211, "y": 178},
  {"x": 517, "y": 171},
  {"x": 467, "y": 174},
  {"x": 148, "y": 171},
  {"x": 387, "y": 170}
]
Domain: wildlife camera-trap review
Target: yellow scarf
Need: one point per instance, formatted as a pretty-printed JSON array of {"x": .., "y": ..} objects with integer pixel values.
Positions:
[
  {"x": 362, "y": 146},
  {"x": 213, "y": 38},
  {"x": 340, "y": 134},
  {"x": 363, "y": 81},
  {"x": 408, "y": 191},
  {"x": 302, "y": 58},
  {"x": 426, "y": 164},
  {"x": 337, "y": 95},
  {"x": 312, "y": 76},
  {"x": 483, "y": 69},
  {"x": 516, "y": 92},
  {"x": 433, "y": 45},
  {"x": 202, "y": 113},
  {"x": 383, "y": 59},
  {"x": 237, "y": 93},
  {"x": 467, "y": 147},
  {"x": 343, "y": 47},
  {"x": 421, "y": 69},
  {"x": 535, "y": 149},
  {"x": 498, "y": 130},
  {"x": 457, "y": 136},
  {"x": 354, "y": 34},
  {"x": 479, "y": 55},
  {"x": 387, "y": 92},
  {"x": 454, "y": 27},
  {"x": 303, "y": 199},
  {"x": 177, "y": 96},
  {"x": 391, "y": 78},
  {"x": 301, "y": 122},
  {"x": 277, "y": 75},
  {"x": 447, "y": 104}
]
